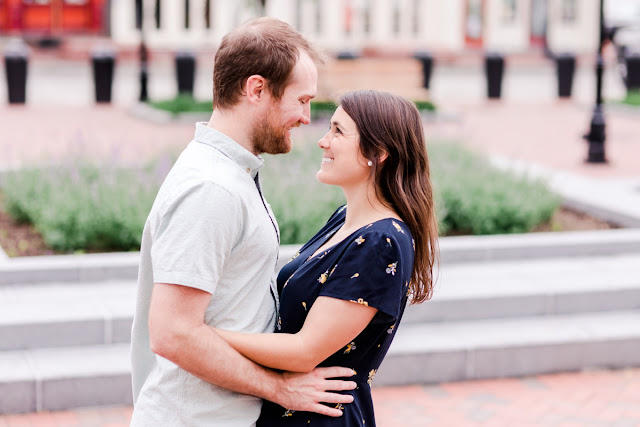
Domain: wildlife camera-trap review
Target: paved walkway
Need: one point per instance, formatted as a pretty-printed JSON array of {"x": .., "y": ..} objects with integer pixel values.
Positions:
[
  {"x": 586, "y": 399},
  {"x": 528, "y": 125}
]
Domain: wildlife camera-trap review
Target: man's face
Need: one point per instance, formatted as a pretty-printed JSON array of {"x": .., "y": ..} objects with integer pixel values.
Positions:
[{"x": 272, "y": 133}]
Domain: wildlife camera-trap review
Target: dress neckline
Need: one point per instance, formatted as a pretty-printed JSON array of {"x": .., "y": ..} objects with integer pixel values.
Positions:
[{"x": 315, "y": 254}]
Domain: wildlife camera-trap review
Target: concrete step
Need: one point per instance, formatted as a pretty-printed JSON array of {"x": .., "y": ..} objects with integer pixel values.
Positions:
[
  {"x": 94, "y": 313},
  {"x": 537, "y": 287},
  {"x": 458, "y": 351},
  {"x": 453, "y": 250},
  {"x": 62, "y": 378},
  {"x": 63, "y": 314}
]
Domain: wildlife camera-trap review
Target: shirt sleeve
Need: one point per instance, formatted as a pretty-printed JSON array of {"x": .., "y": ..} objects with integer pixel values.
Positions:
[
  {"x": 373, "y": 270},
  {"x": 195, "y": 235}
]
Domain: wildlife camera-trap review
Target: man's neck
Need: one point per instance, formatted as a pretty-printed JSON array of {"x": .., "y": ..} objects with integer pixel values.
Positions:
[{"x": 233, "y": 124}]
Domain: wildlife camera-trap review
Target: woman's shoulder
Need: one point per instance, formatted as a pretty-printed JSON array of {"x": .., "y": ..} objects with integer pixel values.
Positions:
[{"x": 388, "y": 228}]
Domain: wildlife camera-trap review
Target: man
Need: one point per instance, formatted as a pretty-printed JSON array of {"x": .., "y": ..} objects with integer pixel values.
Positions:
[{"x": 210, "y": 247}]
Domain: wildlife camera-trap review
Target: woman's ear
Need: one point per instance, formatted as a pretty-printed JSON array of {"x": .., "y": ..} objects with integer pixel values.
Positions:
[
  {"x": 383, "y": 156},
  {"x": 255, "y": 88}
]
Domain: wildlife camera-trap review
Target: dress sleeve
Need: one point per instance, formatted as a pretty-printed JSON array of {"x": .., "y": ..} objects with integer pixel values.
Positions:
[{"x": 373, "y": 270}]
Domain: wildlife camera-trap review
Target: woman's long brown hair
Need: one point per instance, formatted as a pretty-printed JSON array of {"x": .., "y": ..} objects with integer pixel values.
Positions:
[{"x": 390, "y": 124}]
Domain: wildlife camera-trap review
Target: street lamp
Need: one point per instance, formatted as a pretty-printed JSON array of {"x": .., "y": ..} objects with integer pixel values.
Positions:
[
  {"x": 143, "y": 52},
  {"x": 596, "y": 135}
]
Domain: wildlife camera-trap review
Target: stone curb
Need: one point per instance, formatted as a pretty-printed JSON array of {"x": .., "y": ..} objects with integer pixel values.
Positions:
[{"x": 87, "y": 267}]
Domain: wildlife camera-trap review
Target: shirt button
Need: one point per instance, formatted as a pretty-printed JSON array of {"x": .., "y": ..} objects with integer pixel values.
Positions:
[{"x": 248, "y": 170}]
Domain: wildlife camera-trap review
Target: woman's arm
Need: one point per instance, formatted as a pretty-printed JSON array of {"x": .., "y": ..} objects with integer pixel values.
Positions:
[{"x": 330, "y": 325}]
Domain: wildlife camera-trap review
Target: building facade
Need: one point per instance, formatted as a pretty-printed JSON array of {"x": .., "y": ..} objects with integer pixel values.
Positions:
[
  {"x": 366, "y": 25},
  {"x": 395, "y": 25}
]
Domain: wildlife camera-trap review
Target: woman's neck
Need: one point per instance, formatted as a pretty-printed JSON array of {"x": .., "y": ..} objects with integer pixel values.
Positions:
[{"x": 364, "y": 207}]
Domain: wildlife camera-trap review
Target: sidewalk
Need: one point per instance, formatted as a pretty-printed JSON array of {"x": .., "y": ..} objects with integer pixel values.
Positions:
[{"x": 586, "y": 399}]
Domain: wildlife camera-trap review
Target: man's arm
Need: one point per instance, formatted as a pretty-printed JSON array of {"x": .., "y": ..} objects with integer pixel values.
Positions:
[{"x": 178, "y": 333}]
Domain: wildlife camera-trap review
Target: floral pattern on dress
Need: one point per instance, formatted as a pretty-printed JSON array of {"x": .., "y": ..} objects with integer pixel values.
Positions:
[
  {"x": 391, "y": 268},
  {"x": 350, "y": 346},
  {"x": 397, "y": 227},
  {"x": 288, "y": 413},
  {"x": 323, "y": 277},
  {"x": 296, "y": 255},
  {"x": 372, "y": 374},
  {"x": 359, "y": 240},
  {"x": 360, "y": 301}
]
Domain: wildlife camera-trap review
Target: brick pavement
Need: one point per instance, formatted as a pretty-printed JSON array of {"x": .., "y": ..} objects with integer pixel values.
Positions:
[{"x": 583, "y": 399}]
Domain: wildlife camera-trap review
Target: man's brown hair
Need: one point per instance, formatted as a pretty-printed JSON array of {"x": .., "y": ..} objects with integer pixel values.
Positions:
[{"x": 264, "y": 46}]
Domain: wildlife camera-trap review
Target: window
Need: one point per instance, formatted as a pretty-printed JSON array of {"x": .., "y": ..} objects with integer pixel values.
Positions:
[
  {"x": 509, "y": 11},
  {"x": 569, "y": 11}
]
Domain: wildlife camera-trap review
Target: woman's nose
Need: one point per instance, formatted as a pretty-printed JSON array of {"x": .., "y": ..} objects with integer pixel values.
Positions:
[{"x": 324, "y": 141}]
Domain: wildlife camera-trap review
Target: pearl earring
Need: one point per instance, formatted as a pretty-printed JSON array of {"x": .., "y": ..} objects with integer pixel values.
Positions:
[{"x": 370, "y": 163}]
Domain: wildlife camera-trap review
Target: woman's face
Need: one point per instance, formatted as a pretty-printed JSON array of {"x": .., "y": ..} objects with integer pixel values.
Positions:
[{"x": 342, "y": 162}]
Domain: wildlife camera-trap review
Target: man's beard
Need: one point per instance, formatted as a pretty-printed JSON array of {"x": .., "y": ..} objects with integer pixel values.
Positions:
[{"x": 267, "y": 137}]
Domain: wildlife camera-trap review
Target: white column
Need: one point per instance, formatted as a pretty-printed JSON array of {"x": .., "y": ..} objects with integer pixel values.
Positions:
[
  {"x": 149, "y": 21},
  {"x": 283, "y": 10},
  {"x": 223, "y": 17},
  {"x": 332, "y": 35},
  {"x": 382, "y": 13},
  {"x": 172, "y": 31},
  {"x": 578, "y": 36},
  {"x": 123, "y": 22},
  {"x": 197, "y": 32},
  {"x": 506, "y": 35},
  {"x": 442, "y": 25}
]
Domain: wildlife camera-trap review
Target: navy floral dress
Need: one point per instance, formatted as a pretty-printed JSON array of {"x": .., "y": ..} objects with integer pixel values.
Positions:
[{"x": 372, "y": 266}]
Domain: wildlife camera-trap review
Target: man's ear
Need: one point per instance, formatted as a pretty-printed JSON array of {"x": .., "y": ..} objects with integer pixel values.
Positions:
[{"x": 255, "y": 88}]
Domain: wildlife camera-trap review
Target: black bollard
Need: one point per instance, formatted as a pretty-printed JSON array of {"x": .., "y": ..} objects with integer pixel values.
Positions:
[
  {"x": 103, "y": 68},
  {"x": 633, "y": 71},
  {"x": 427, "y": 64},
  {"x": 565, "y": 69},
  {"x": 15, "y": 62},
  {"x": 494, "y": 69},
  {"x": 185, "y": 72},
  {"x": 347, "y": 54}
]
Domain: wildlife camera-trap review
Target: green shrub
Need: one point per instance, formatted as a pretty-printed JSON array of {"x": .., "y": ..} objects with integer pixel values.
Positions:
[
  {"x": 183, "y": 103},
  {"x": 476, "y": 198},
  {"x": 425, "y": 105},
  {"x": 85, "y": 206},
  {"x": 633, "y": 98},
  {"x": 319, "y": 109}
]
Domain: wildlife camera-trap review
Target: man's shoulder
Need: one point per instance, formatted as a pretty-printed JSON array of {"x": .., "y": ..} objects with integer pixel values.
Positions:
[{"x": 201, "y": 163}]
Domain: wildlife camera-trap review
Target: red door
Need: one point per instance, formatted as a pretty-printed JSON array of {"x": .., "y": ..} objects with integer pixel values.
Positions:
[{"x": 52, "y": 17}]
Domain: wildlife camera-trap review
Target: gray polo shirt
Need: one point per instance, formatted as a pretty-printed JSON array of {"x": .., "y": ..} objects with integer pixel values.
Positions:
[{"x": 210, "y": 229}]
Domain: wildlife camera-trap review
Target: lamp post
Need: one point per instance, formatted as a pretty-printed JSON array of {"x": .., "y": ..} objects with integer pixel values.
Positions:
[
  {"x": 143, "y": 52},
  {"x": 596, "y": 136},
  {"x": 144, "y": 75}
]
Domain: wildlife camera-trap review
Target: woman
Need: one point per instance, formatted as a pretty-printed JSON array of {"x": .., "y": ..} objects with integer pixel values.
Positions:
[{"x": 344, "y": 292}]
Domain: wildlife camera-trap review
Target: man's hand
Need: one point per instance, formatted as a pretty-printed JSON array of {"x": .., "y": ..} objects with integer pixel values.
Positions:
[{"x": 304, "y": 392}]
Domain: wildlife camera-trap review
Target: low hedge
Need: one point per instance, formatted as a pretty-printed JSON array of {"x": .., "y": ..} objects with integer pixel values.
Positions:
[{"x": 84, "y": 206}]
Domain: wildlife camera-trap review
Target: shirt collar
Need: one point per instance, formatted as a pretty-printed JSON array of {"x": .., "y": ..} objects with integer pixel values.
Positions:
[{"x": 249, "y": 162}]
